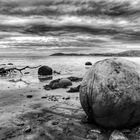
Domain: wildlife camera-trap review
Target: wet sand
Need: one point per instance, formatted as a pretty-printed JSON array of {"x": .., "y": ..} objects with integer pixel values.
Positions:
[{"x": 49, "y": 115}]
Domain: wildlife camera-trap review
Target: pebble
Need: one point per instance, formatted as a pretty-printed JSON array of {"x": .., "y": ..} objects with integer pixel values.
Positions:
[
  {"x": 29, "y": 96},
  {"x": 117, "y": 135},
  {"x": 27, "y": 129},
  {"x": 55, "y": 123}
]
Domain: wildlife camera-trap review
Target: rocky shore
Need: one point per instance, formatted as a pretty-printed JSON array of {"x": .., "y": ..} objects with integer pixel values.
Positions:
[{"x": 52, "y": 111}]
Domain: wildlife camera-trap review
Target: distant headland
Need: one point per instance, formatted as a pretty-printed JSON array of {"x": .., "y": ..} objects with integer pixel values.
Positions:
[{"x": 130, "y": 53}]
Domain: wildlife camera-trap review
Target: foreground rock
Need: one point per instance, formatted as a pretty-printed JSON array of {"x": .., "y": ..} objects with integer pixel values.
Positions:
[
  {"x": 45, "y": 70},
  {"x": 58, "y": 83},
  {"x": 117, "y": 135},
  {"x": 110, "y": 93}
]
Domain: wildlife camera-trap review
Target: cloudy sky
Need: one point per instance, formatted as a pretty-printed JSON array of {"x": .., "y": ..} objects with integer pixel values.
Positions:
[{"x": 69, "y": 25}]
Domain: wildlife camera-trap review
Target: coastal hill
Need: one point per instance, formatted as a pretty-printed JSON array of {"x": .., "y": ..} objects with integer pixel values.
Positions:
[{"x": 130, "y": 53}]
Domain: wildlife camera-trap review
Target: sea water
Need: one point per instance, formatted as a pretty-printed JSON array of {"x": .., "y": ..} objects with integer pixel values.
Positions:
[{"x": 66, "y": 65}]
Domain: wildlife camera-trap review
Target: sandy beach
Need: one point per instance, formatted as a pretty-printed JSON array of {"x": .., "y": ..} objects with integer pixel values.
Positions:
[{"x": 53, "y": 114}]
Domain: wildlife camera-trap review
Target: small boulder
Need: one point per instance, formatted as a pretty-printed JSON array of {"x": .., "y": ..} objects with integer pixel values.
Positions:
[
  {"x": 54, "y": 84},
  {"x": 63, "y": 83},
  {"x": 74, "y": 89},
  {"x": 88, "y": 63},
  {"x": 110, "y": 93},
  {"x": 117, "y": 135},
  {"x": 45, "y": 70}
]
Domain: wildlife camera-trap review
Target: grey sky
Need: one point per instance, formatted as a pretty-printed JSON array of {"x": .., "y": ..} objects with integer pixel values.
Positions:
[{"x": 115, "y": 22}]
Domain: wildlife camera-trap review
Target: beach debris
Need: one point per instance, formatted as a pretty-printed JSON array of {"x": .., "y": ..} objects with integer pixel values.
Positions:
[
  {"x": 29, "y": 96},
  {"x": 8, "y": 70},
  {"x": 75, "y": 79},
  {"x": 74, "y": 89},
  {"x": 45, "y": 70},
  {"x": 58, "y": 83},
  {"x": 88, "y": 63},
  {"x": 110, "y": 93},
  {"x": 117, "y": 135}
]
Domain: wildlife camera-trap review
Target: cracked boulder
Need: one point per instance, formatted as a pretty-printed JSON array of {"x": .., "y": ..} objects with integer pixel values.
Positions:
[{"x": 110, "y": 93}]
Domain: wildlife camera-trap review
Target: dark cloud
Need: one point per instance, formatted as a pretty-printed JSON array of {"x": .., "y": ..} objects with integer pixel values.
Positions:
[{"x": 72, "y": 7}]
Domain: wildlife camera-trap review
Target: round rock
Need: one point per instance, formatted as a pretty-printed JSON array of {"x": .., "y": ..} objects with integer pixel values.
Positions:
[
  {"x": 88, "y": 63},
  {"x": 45, "y": 70},
  {"x": 110, "y": 93},
  {"x": 64, "y": 83}
]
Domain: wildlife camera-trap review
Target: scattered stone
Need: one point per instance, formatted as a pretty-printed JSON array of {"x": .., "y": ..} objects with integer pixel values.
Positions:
[
  {"x": 10, "y": 64},
  {"x": 52, "y": 98},
  {"x": 44, "y": 97},
  {"x": 26, "y": 72},
  {"x": 3, "y": 72},
  {"x": 29, "y": 96},
  {"x": 126, "y": 131},
  {"x": 66, "y": 98},
  {"x": 117, "y": 135},
  {"x": 138, "y": 131},
  {"x": 63, "y": 83},
  {"x": 88, "y": 63},
  {"x": 55, "y": 123},
  {"x": 74, "y": 89},
  {"x": 45, "y": 70},
  {"x": 133, "y": 136},
  {"x": 94, "y": 134},
  {"x": 27, "y": 129},
  {"x": 56, "y": 72},
  {"x": 75, "y": 79},
  {"x": 110, "y": 93},
  {"x": 95, "y": 131},
  {"x": 18, "y": 122}
]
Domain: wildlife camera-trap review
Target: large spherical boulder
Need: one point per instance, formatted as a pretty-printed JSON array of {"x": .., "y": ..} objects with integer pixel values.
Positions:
[
  {"x": 110, "y": 93},
  {"x": 65, "y": 83},
  {"x": 45, "y": 70}
]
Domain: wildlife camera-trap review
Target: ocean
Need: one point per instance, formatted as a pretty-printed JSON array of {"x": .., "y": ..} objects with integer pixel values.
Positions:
[{"x": 66, "y": 65}]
